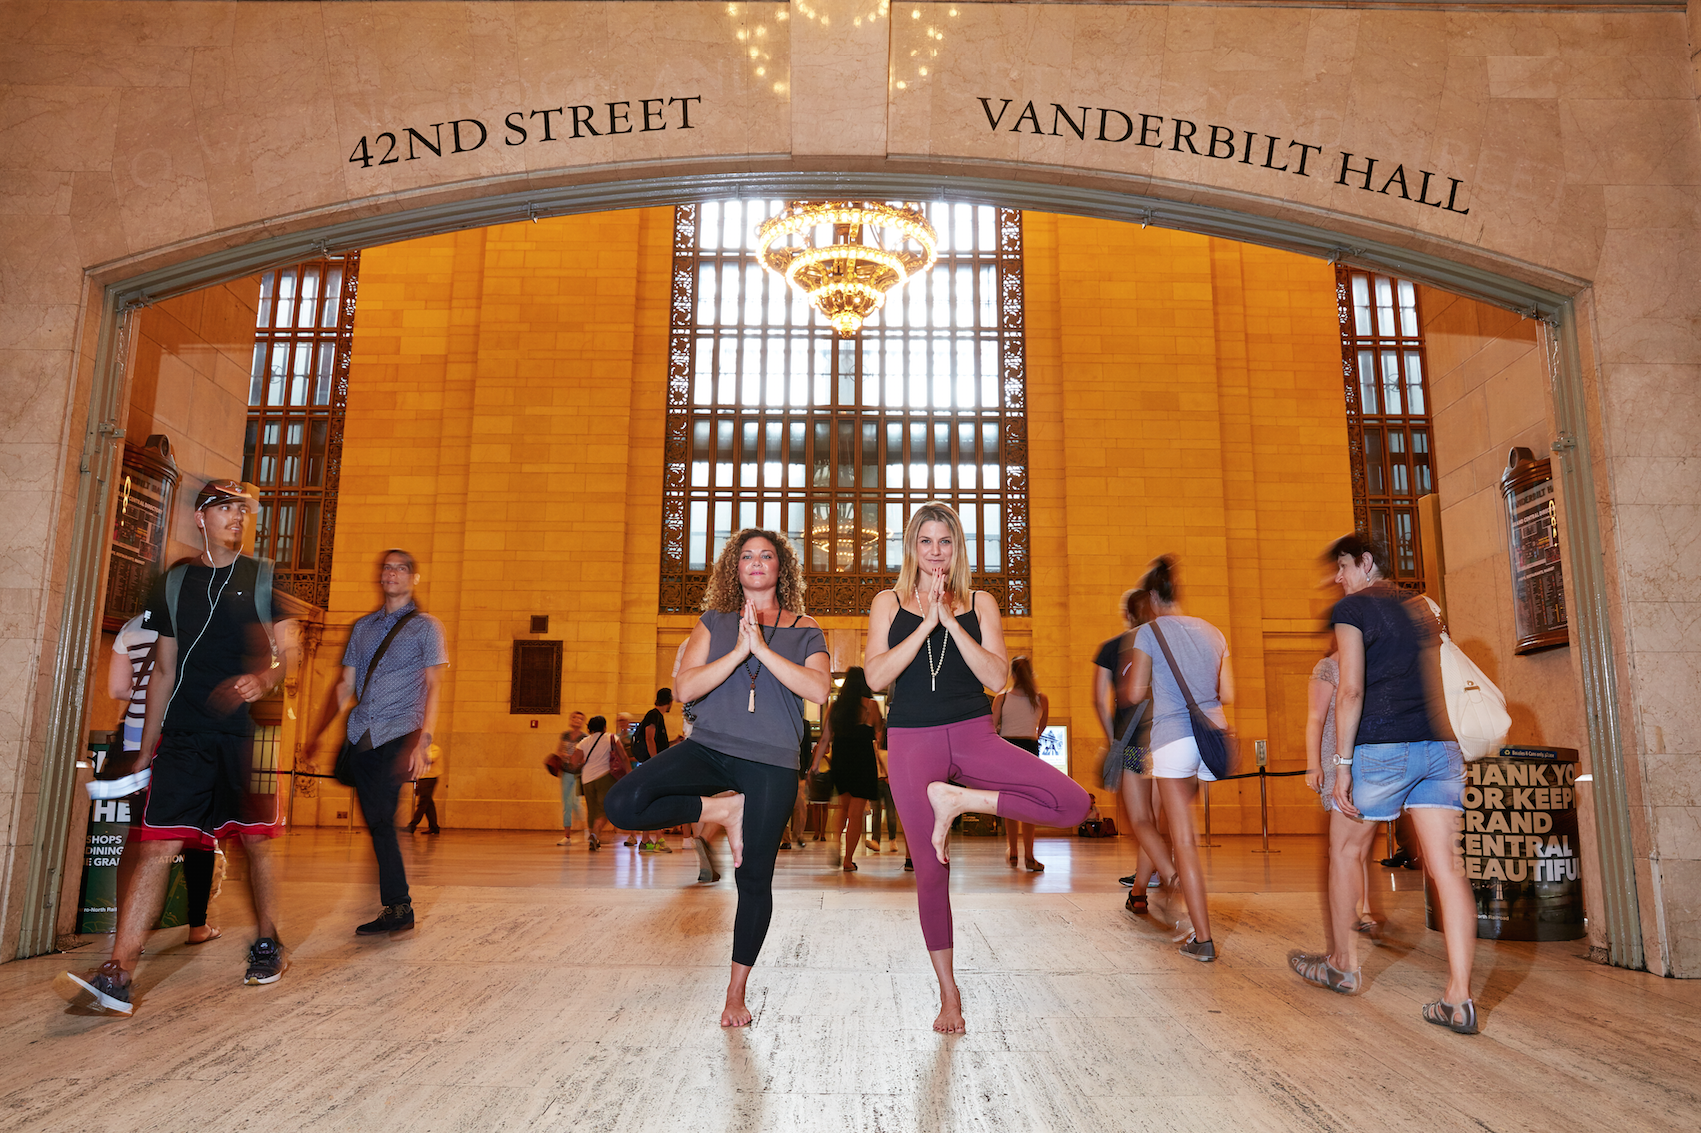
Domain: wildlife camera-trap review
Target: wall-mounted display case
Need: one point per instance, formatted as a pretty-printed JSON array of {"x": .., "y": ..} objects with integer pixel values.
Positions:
[
  {"x": 147, "y": 481},
  {"x": 1538, "y": 586}
]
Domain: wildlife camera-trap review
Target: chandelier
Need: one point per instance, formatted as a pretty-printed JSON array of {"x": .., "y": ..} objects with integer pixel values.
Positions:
[{"x": 845, "y": 278}]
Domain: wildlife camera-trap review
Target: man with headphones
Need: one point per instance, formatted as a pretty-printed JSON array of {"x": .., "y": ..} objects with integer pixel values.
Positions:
[{"x": 217, "y": 654}]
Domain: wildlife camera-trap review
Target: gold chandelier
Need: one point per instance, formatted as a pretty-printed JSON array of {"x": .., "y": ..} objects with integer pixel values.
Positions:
[{"x": 845, "y": 278}]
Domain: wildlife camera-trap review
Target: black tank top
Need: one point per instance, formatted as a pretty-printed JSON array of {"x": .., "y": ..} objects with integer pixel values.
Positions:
[{"x": 919, "y": 700}]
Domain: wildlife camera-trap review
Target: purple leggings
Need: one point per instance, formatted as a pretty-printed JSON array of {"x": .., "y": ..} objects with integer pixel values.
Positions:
[{"x": 970, "y": 754}]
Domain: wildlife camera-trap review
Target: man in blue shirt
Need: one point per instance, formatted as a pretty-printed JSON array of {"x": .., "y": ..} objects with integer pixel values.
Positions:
[{"x": 394, "y": 716}]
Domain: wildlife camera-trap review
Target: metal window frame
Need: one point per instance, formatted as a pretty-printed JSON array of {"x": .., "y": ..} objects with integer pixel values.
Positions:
[{"x": 836, "y": 590}]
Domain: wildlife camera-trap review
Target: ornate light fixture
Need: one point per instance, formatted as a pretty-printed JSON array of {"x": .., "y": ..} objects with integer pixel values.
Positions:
[{"x": 845, "y": 278}]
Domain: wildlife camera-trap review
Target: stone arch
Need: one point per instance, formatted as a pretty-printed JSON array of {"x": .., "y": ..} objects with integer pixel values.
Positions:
[{"x": 173, "y": 144}]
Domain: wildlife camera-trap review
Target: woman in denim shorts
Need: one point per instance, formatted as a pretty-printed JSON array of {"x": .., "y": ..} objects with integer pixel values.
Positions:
[{"x": 1402, "y": 757}]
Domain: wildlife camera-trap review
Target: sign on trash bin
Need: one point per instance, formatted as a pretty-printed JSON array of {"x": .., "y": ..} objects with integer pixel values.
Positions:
[{"x": 1519, "y": 845}]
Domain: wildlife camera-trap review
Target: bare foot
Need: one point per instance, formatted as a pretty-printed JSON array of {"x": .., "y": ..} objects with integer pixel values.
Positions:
[
  {"x": 950, "y": 1020},
  {"x": 943, "y": 797},
  {"x": 734, "y": 823},
  {"x": 735, "y": 1014},
  {"x": 203, "y": 933}
]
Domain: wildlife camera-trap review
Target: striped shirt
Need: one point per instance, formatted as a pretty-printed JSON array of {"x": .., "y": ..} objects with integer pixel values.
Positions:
[
  {"x": 139, "y": 643},
  {"x": 394, "y": 703}
]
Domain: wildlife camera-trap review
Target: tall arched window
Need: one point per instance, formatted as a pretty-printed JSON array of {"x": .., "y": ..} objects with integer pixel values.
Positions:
[
  {"x": 774, "y": 421},
  {"x": 297, "y": 395},
  {"x": 1388, "y": 420}
]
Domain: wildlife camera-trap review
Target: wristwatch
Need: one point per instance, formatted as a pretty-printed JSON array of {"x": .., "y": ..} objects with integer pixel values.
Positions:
[{"x": 1342, "y": 760}]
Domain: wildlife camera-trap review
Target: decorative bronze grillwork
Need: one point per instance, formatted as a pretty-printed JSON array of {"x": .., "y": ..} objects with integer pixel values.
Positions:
[{"x": 773, "y": 421}]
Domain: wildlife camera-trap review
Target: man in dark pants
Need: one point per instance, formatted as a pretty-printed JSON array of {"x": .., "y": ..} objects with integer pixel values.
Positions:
[{"x": 393, "y": 718}]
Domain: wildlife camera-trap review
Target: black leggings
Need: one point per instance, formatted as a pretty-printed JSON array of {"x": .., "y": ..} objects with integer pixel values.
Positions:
[
  {"x": 668, "y": 791},
  {"x": 198, "y": 879}
]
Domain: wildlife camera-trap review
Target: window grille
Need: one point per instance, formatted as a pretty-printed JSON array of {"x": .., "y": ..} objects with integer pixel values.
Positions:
[
  {"x": 1388, "y": 412},
  {"x": 297, "y": 396},
  {"x": 773, "y": 421}
]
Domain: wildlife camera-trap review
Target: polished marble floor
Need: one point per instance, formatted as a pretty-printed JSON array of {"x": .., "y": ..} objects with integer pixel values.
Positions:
[{"x": 555, "y": 989}]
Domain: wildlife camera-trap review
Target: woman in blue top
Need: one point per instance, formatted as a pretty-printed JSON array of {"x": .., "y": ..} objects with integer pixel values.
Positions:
[
  {"x": 1394, "y": 752},
  {"x": 1202, "y": 654},
  {"x": 751, "y": 661}
]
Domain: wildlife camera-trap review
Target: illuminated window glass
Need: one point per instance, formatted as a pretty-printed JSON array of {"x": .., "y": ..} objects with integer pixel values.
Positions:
[
  {"x": 1388, "y": 423},
  {"x": 297, "y": 392},
  {"x": 774, "y": 421}
]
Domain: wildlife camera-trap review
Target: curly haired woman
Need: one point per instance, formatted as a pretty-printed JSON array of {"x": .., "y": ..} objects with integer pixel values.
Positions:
[{"x": 749, "y": 664}]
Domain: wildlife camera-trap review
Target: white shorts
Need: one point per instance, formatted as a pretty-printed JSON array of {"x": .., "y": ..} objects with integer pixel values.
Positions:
[{"x": 1180, "y": 760}]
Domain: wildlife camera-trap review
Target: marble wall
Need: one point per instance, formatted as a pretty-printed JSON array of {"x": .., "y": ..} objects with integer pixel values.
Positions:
[{"x": 1560, "y": 147}]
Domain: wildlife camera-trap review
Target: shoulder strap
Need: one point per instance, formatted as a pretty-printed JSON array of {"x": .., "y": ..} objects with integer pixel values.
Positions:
[
  {"x": 263, "y": 602},
  {"x": 1192, "y": 705},
  {"x": 173, "y": 589},
  {"x": 1134, "y": 721},
  {"x": 382, "y": 647}
]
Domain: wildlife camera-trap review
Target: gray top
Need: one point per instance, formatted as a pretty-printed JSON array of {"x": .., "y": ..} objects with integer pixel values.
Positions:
[
  {"x": 772, "y": 733},
  {"x": 1199, "y": 649}
]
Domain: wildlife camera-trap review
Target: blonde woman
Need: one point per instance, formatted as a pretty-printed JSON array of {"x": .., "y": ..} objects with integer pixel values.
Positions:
[
  {"x": 1019, "y": 714},
  {"x": 939, "y": 646},
  {"x": 751, "y": 661}
]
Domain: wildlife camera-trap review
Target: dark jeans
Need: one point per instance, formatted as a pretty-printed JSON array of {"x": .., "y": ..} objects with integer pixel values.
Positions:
[
  {"x": 378, "y": 776},
  {"x": 884, "y": 804},
  {"x": 669, "y": 791},
  {"x": 424, "y": 805}
]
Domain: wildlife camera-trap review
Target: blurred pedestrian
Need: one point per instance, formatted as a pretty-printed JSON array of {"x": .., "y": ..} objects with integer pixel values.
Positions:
[
  {"x": 1019, "y": 714},
  {"x": 1201, "y": 664},
  {"x": 851, "y": 729},
  {"x": 1399, "y": 756}
]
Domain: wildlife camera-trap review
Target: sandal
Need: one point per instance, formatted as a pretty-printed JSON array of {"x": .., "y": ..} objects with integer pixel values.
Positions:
[
  {"x": 850, "y": 867},
  {"x": 1368, "y": 926},
  {"x": 1010, "y": 860},
  {"x": 1442, "y": 1014},
  {"x": 1136, "y": 904},
  {"x": 1034, "y": 865},
  {"x": 1314, "y": 968}
]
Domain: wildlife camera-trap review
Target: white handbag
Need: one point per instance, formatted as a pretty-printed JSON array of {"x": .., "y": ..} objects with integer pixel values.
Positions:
[{"x": 1475, "y": 707}]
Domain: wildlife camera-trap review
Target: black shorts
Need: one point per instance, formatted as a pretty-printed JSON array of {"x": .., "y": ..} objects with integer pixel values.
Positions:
[{"x": 202, "y": 790}]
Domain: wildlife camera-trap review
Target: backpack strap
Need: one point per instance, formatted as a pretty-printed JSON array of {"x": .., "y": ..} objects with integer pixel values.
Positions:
[
  {"x": 263, "y": 602},
  {"x": 173, "y": 590}
]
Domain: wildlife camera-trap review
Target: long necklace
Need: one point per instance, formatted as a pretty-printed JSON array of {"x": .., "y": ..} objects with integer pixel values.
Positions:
[
  {"x": 751, "y": 706},
  {"x": 932, "y": 669}
]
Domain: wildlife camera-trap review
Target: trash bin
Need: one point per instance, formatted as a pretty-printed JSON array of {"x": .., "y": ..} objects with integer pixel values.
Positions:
[
  {"x": 1520, "y": 845},
  {"x": 109, "y": 826}
]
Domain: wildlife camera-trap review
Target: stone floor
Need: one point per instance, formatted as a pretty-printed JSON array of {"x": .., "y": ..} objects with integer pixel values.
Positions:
[{"x": 558, "y": 989}]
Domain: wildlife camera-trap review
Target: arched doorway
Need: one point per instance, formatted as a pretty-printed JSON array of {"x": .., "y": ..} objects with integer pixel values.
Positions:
[{"x": 1552, "y": 303}]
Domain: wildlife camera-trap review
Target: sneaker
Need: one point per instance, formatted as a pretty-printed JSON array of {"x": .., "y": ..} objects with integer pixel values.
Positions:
[
  {"x": 1203, "y": 951},
  {"x": 565, "y": 842},
  {"x": 106, "y": 988},
  {"x": 646, "y": 847},
  {"x": 631, "y": 841},
  {"x": 593, "y": 842},
  {"x": 394, "y": 918},
  {"x": 663, "y": 848},
  {"x": 1129, "y": 881},
  {"x": 265, "y": 962},
  {"x": 785, "y": 845}
]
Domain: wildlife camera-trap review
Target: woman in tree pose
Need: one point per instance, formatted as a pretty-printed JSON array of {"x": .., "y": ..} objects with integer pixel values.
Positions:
[
  {"x": 751, "y": 661},
  {"x": 940, "y": 646}
]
